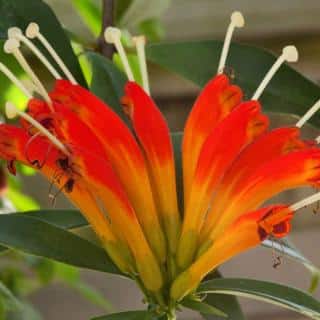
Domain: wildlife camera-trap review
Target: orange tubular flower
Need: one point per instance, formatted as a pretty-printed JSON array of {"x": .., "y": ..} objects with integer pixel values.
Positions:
[{"x": 125, "y": 184}]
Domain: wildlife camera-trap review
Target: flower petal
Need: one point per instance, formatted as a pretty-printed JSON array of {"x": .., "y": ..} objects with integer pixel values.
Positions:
[
  {"x": 153, "y": 134},
  {"x": 122, "y": 151},
  {"x": 264, "y": 149},
  {"x": 219, "y": 150},
  {"x": 296, "y": 169},
  {"x": 245, "y": 233},
  {"x": 214, "y": 103},
  {"x": 14, "y": 146}
]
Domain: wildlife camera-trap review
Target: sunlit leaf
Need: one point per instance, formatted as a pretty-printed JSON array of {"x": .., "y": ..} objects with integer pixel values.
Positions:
[
  {"x": 288, "y": 92},
  {"x": 21, "y": 201},
  {"x": 273, "y": 293}
]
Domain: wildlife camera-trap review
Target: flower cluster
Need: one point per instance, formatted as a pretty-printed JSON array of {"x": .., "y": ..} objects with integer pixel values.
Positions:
[{"x": 124, "y": 183}]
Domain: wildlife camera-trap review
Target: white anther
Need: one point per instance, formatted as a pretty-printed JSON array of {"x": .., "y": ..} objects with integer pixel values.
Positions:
[
  {"x": 140, "y": 43},
  {"x": 308, "y": 114},
  {"x": 236, "y": 21},
  {"x": 305, "y": 202},
  {"x": 33, "y": 31},
  {"x": 289, "y": 54},
  {"x": 15, "y": 80},
  {"x": 12, "y": 46},
  {"x": 12, "y": 111},
  {"x": 16, "y": 33},
  {"x": 113, "y": 35}
]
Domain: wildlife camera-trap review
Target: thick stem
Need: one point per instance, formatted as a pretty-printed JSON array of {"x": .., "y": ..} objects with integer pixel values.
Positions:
[{"x": 107, "y": 20}]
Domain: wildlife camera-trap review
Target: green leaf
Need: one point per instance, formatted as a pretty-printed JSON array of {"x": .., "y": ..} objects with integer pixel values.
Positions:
[
  {"x": 228, "y": 304},
  {"x": 90, "y": 13},
  {"x": 152, "y": 29},
  {"x": 140, "y": 10},
  {"x": 11, "y": 302},
  {"x": 176, "y": 138},
  {"x": 288, "y": 91},
  {"x": 274, "y": 293},
  {"x": 287, "y": 248},
  {"x": 129, "y": 315},
  {"x": 33, "y": 236},
  {"x": 203, "y": 308},
  {"x": 21, "y": 13},
  {"x": 107, "y": 81},
  {"x": 20, "y": 200}
]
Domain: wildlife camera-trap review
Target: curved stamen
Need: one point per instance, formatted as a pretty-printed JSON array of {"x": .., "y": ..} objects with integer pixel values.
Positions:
[
  {"x": 308, "y": 114},
  {"x": 33, "y": 31},
  {"x": 16, "y": 33},
  {"x": 289, "y": 54},
  {"x": 15, "y": 80},
  {"x": 237, "y": 21},
  {"x": 11, "y": 46},
  {"x": 306, "y": 202},
  {"x": 113, "y": 35},
  {"x": 12, "y": 111},
  {"x": 140, "y": 43}
]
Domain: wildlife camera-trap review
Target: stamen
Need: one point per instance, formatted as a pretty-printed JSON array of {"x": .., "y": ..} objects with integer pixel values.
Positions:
[
  {"x": 33, "y": 31},
  {"x": 113, "y": 35},
  {"x": 305, "y": 202},
  {"x": 237, "y": 21},
  {"x": 289, "y": 54},
  {"x": 16, "y": 33},
  {"x": 308, "y": 114},
  {"x": 11, "y": 46},
  {"x": 12, "y": 111},
  {"x": 15, "y": 80},
  {"x": 140, "y": 43}
]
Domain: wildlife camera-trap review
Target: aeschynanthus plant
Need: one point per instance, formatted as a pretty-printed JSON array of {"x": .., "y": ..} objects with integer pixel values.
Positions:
[{"x": 124, "y": 182}]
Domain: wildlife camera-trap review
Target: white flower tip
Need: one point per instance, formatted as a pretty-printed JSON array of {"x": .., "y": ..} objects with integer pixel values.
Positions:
[
  {"x": 237, "y": 19},
  {"x": 11, "y": 45},
  {"x": 13, "y": 32},
  {"x": 32, "y": 30},
  {"x": 139, "y": 40},
  {"x": 290, "y": 53},
  {"x": 111, "y": 34},
  {"x": 11, "y": 110}
]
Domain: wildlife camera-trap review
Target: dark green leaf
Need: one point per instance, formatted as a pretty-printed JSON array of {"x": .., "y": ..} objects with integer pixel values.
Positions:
[
  {"x": 287, "y": 248},
  {"x": 66, "y": 219},
  {"x": 107, "y": 81},
  {"x": 129, "y": 315},
  {"x": 176, "y": 142},
  {"x": 39, "y": 238},
  {"x": 288, "y": 91},
  {"x": 274, "y": 293},
  {"x": 228, "y": 304},
  {"x": 203, "y": 308},
  {"x": 21, "y": 13},
  {"x": 11, "y": 302},
  {"x": 90, "y": 13}
]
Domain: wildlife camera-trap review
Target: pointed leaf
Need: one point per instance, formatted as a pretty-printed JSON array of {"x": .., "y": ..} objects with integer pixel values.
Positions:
[
  {"x": 274, "y": 293},
  {"x": 129, "y": 315},
  {"x": 39, "y": 238},
  {"x": 203, "y": 308},
  {"x": 21, "y": 13},
  {"x": 288, "y": 91},
  {"x": 107, "y": 81}
]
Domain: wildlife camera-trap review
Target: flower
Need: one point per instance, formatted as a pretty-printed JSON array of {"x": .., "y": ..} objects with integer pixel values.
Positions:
[{"x": 125, "y": 183}]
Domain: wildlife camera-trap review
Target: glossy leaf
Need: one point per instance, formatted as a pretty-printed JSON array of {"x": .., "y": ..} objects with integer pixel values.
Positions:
[
  {"x": 107, "y": 81},
  {"x": 140, "y": 10},
  {"x": 287, "y": 248},
  {"x": 33, "y": 236},
  {"x": 288, "y": 91},
  {"x": 21, "y": 13},
  {"x": 274, "y": 293},
  {"x": 227, "y": 303},
  {"x": 90, "y": 13},
  {"x": 203, "y": 308},
  {"x": 129, "y": 315}
]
